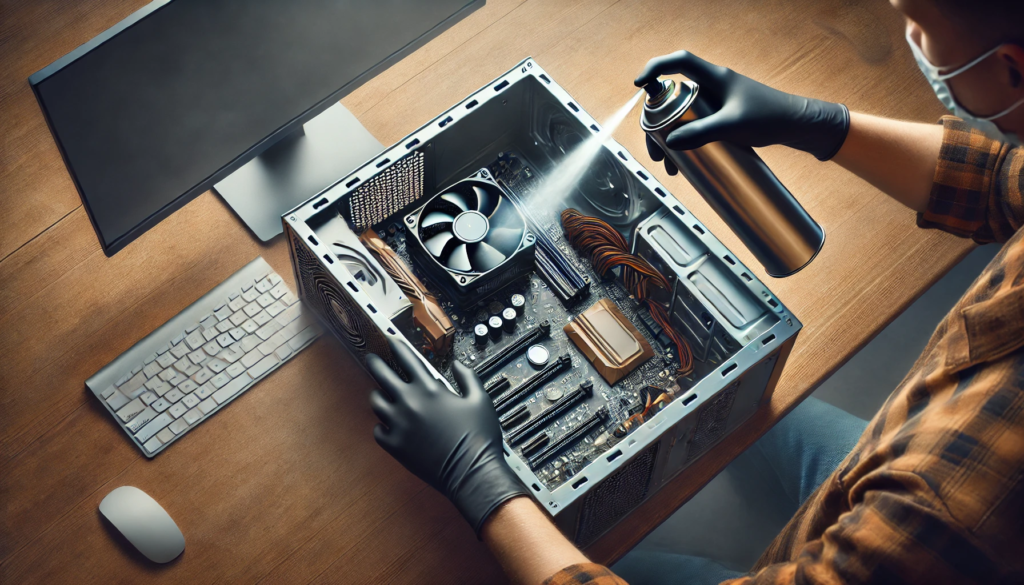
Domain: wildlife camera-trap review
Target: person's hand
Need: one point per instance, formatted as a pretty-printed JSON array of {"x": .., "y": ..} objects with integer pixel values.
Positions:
[
  {"x": 451, "y": 442},
  {"x": 746, "y": 112}
]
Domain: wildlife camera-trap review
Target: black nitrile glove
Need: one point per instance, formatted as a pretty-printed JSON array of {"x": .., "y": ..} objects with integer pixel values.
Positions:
[
  {"x": 451, "y": 442},
  {"x": 747, "y": 113}
]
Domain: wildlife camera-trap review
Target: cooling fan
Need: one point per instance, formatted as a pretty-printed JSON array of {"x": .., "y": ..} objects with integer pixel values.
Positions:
[{"x": 471, "y": 238}]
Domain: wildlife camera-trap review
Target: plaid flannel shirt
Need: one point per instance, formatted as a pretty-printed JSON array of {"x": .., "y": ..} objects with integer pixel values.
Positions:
[{"x": 934, "y": 490}]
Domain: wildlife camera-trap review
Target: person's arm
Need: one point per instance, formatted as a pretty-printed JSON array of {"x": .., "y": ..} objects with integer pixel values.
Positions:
[
  {"x": 532, "y": 550},
  {"x": 897, "y": 157}
]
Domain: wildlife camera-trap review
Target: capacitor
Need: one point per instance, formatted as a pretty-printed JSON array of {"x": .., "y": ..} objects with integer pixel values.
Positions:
[
  {"x": 518, "y": 303},
  {"x": 509, "y": 318},
  {"x": 538, "y": 356},
  {"x": 480, "y": 334},
  {"x": 494, "y": 326}
]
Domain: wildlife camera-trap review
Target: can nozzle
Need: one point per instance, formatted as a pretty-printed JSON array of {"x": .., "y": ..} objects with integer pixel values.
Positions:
[{"x": 654, "y": 88}]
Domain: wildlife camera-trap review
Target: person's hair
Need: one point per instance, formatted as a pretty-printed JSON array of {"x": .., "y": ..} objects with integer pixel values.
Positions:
[{"x": 991, "y": 21}]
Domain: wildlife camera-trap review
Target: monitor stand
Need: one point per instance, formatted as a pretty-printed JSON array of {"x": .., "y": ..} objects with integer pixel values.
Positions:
[{"x": 297, "y": 167}]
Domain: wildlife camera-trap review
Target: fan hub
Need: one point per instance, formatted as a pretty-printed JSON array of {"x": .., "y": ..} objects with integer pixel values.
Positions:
[{"x": 470, "y": 226}]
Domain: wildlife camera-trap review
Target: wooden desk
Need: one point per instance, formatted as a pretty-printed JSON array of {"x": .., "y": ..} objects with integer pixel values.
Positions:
[{"x": 287, "y": 485}]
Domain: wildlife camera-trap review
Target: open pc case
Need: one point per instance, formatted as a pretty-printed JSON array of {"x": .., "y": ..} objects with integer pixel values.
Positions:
[{"x": 436, "y": 241}]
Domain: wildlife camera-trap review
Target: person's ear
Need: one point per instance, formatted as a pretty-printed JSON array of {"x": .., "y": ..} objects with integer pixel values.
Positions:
[{"x": 1013, "y": 56}]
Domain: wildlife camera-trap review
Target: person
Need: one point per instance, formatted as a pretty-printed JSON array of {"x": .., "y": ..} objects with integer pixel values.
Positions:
[{"x": 933, "y": 490}]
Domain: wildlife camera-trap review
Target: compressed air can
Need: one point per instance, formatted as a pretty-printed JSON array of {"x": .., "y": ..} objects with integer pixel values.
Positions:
[{"x": 736, "y": 184}]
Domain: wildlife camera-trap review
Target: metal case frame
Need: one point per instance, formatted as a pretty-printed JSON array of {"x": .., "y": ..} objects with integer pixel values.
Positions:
[{"x": 645, "y": 460}]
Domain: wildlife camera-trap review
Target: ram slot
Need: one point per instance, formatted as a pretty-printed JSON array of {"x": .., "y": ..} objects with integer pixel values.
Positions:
[
  {"x": 570, "y": 400},
  {"x": 569, "y": 440},
  {"x": 532, "y": 383},
  {"x": 488, "y": 366},
  {"x": 499, "y": 384},
  {"x": 516, "y": 414},
  {"x": 535, "y": 445}
]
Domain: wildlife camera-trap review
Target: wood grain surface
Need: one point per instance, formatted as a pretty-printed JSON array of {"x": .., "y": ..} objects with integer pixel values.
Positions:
[{"x": 287, "y": 484}]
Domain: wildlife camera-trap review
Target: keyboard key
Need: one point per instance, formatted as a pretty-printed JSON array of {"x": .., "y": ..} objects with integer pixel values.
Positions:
[
  {"x": 223, "y": 312},
  {"x": 179, "y": 351},
  {"x": 237, "y": 303},
  {"x": 252, "y": 309},
  {"x": 263, "y": 286},
  {"x": 183, "y": 364},
  {"x": 251, "y": 358},
  {"x": 153, "y": 427},
  {"x": 276, "y": 308},
  {"x": 190, "y": 401},
  {"x": 283, "y": 352},
  {"x": 193, "y": 416},
  {"x": 216, "y": 366},
  {"x": 235, "y": 369},
  {"x": 262, "y": 318},
  {"x": 212, "y": 348},
  {"x": 250, "y": 326},
  {"x": 233, "y": 353},
  {"x": 205, "y": 391},
  {"x": 187, "y": 386},
  {"x": 268, "y": 330},
  {"x": 148, "y": 398},
  {"x": 210, "y": 333},
  {"x": 168, "y": 374},
  {"x": 152, "y": 445},
  {"x": 192, "y": 327},
  {"x": 238, "y": 318},
  {"x": 165, "y": 435},
  {"x": 131, "y": 410},
  {"x": 220, "y": 380},
  {"x": 152, "y": 369},
  {"x": 141, "y": 420},
  {"x": 135, "y": 383},
  {"x": 160, "y": 405},
  {"x": 208, "y": 405},
  {"x": 225, "y": 339},
  {"x": 195, "y": 340},
  {"x": 202, "y": 376},
  {"x": 234, "y": 387},
  {"x": 238, "y": 333},
  {"x": 250, "y": 343},
  {"x": 279, "y": 291},
  {"x": 225, "y": 326},
  {"x": 209, "y": 322},
  {"x": 117, "y": 400},
  {"x": 123, "y": 379},
  {"x": 268, "y": 346},
  {"x": 250, "y": 295},
  {"x": 289, "y": 299},
  {"x": 290, "y": 314},
  {"x": 177, "y": 339},
  {"x": 177, "y": 379},
  {"x": 265, "y": 300},
  {"x": 110, "y": 392},
  {"x": 177, "y": 410},
  {"x": 174, "y": 395},
  {"x": 275, "y": 278},
  {"x": 307, "y": 334},
  {"x": 263, "y": 366},
  {"x": 179, "y": 426},
  {"x": 161, "y": 388},
  {"x": 166, "y": 360}
]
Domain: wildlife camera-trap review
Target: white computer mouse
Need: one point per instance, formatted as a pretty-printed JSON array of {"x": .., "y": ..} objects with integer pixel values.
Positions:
[{"x": 144, "y": 523}]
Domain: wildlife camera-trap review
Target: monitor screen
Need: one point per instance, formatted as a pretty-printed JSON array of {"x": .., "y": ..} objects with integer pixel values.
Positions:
[{"x": 152, "y": 112}]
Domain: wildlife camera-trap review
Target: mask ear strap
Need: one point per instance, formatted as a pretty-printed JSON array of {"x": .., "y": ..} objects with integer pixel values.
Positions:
[
  {"x": 959, "y": 70},
  {"x": 1004, "y": 112}
]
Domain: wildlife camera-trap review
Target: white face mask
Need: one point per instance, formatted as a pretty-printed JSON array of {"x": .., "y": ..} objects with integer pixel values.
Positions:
[{"x": 941, "y": 88}]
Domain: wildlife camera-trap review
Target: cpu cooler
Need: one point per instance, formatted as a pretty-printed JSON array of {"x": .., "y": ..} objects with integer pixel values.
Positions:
[{"x": 471, "y": 238}]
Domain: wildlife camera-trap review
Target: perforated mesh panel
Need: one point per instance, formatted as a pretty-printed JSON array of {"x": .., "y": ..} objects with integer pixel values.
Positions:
[
  {"x": 328, "y": 298},
  {"x": 711, "y": 422},
  {"x": 607, "y": 503},
  {"x": 389, "y": 191}
]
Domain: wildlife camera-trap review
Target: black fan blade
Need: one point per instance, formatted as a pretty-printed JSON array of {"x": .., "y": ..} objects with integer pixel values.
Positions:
[
  {"x": 484, "y": 257},
  {"x": 505, "y": 240},
  {"x": 485, "y": 202},
  {"x": 459, "y": 259},
  {"x": 436, "y": 244}
]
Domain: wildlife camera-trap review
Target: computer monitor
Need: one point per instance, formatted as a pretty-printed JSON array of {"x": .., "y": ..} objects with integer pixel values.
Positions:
[{"x": 182, "y": 94}]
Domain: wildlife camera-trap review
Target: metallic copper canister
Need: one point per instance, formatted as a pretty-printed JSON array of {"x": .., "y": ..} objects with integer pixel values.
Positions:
[{"x": 736, "y": 184}]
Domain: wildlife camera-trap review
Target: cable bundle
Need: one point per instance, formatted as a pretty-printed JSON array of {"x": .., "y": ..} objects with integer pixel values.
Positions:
[{"x": 607, "y": 249}]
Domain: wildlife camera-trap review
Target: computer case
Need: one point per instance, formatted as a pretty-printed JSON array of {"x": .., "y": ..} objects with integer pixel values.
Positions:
[{"x": 740, "y": 332}]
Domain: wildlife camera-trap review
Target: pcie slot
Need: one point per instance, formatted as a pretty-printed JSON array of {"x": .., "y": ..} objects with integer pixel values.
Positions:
[
  {"x": 536, "y": 444},
  {"x": 568, "y": 440},
  {"x": 489, "y": 365},
  {"x": 553, "y": 266},
  {"x": 570, "y": 400},
  {"x": 516, "y": 414},
  {"x": 532, "y": 383},
  {"x": 497, "y": 385}
]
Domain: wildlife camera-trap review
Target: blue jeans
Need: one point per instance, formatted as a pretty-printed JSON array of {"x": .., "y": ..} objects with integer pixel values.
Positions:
[{"x": 790, "y": 461}]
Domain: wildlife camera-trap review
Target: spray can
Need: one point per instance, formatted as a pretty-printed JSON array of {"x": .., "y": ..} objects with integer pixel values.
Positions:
[{"x": 735, "y": 182}]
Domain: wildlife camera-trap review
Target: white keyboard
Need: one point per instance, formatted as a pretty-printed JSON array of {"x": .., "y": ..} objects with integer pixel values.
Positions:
[{"x": 204, "y": 357}]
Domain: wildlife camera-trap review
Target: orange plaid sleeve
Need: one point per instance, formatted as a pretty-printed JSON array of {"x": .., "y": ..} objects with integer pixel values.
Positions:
[
  {"x": 588, "y": 573},
  {"x": 978, "y": 191}
]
